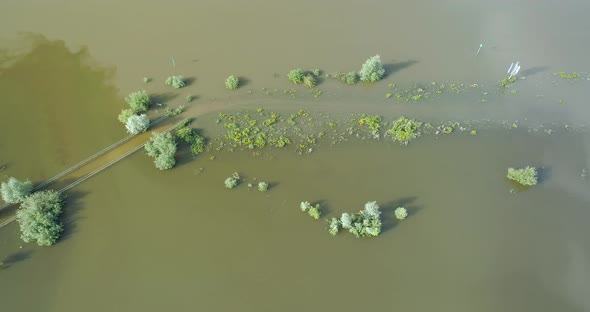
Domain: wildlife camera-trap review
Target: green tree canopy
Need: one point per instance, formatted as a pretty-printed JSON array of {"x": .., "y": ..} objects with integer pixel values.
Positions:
[
  {"x": 38, "y": 217},
  {"x": 15, "y": 191}
]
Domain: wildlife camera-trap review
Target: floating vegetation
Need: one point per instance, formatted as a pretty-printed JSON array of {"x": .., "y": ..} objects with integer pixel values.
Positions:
[
  {"x": 316, "y": 92},
  {"x": 232, "y": 82},
  {"x": 568, "y": 76},
  {"x": 373, "y": 122},
  {"x": 473, "y": 132},
  {"x": 173, "y": 112},
  {"x": 313, "y": 211},
  {"x": 526, "y": 176},
  {"x": 349, "y": 78},
  {"x": 513, "y": 91},
  {"x": 447, "y": 127},
  {"x": 404, "y": 130},
  {"x": 189, "y": 98},
  {"x": 506, "y": 82},
  {"x": 146, "y": 79},
  {"x": 388, "y": 95},
  {"x": 176, "y": 82},
  {"x": 232, "y": 181},
  {"x": 391, "y": 86}
]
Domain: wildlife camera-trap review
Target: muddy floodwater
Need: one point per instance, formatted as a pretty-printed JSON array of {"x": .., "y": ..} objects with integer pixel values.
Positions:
[{"x": 140, "y": 239}]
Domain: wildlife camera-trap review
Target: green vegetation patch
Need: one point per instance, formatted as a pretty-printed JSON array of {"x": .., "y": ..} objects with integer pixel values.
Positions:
[
  {"x": 365, "y": 223},
  {"x": 404, "y": 130},
  {"x": 138, "y": 101},
  {"x": 162, "y": 148},
  {"x": 38, "y": 218},
  {"x": 232, "y": 82},
  {"x": 176, "y": 82},
  {"x": 506, "y": 82},
  {"x": 372, "y": 70},
  {"x": 15, "y": 191},
  {"x": 526, "y": 176},
  {"x": 569, "y": 76},
  {"x": 296, "y": 76},
  {"x": 313, "y": 211}
]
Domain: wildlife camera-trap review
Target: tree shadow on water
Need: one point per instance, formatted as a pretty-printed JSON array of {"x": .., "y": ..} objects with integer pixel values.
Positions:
[
  {"x": 533, "y": 70},
  {"x": 71, "y": 215},
  {"x": 162, "y": 98},
  {"x": 15, "y": 258},
  {"x": 388, "y": 211},
  {"x": 392, "y": 68}
]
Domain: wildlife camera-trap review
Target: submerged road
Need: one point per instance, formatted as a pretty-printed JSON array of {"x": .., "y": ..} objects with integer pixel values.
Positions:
[{"x": 94, "y": 164}]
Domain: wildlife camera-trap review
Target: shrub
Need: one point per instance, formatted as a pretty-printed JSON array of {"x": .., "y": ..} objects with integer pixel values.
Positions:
[
  {"x": 309, "y": 81},
  {"x": 372, "y": 70},
  {"x": 525, "y": 176},
  {"x": 189, "y": 136},
  {"x": 138, "y": 101},
  {"x": 296, "y": 75},
  {"x": 316, "y": 72},
  {"x": 404, "y": 130},
  {"x": 125, "y": 114},
  {"x": 400, "y": 213},
  {"x": 374, "y": 122},
  {"x": 313, "y": 211},
  {"x": 351, "y": 78},
  {"x": 15, "y": 191},
  {"x": 175, "y": 81},
  {"x": 232, "y": 181},
  {"x": 38, "y": 218},
  {"x": 262, "y": 186},
  {"x": 232, "y": 82},
  {"x": 365, "y": 223},
  {"x": 334, "y": 226},
  {"x": 137, "y": 124},
  {"x": 162, "y": 148},
  {"x": 169, "y": 112}
]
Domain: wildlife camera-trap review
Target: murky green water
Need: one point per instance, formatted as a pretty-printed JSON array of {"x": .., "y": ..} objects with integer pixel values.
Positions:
[{"x": 138, "y": 239}]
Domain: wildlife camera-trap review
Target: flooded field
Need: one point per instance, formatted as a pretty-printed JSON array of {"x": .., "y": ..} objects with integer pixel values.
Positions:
[{"x": 140, "y": 239}]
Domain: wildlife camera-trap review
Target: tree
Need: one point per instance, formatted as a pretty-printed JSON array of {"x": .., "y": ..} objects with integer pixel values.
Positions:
[
  {"x": 137, "y": 124},
  {"x": 38, "y": 218},
  {"x": 15, "y": 191},
  {"x": 232, "y": 82},
  {"x": 372, "y": 70},
  {"x": 162, "y": 147},
  {"x": 139, "y": 101},
  {"x": 125, "y": 114}
]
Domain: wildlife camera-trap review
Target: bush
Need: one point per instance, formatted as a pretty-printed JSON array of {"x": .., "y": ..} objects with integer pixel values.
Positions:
[
  {"x": 365, "y": 223},
  {"x": 137, "y": 124},
  {"x": 232, "y": 181},
  {"x": 232, "y": 82},
  {"x": 309, "y": 81},
  {"x": 125, "y": 114},
  {"x": 189, "y": 136},
  {"x": 400, "y": 213},
  {"x": 15, "y": 191},
  {"x": 316, "y": 72},
  {"x": 348, "y": 78},
  {"x": 175, "y": 81},
  {"x": 138, "y": 101},
  {"x": 372, "y": 70},
  {"x": 334, "y": 226},
  {"x": 262, "y": 186},
  {"x": 525, "y": 176},
  {"x": 313, "y": 211},
  {"x": 296, "y": 75},
  {"x": 162, "y": 148},
  {"x": 38, "y": 218},
  {"x": 404, "y": 130}
]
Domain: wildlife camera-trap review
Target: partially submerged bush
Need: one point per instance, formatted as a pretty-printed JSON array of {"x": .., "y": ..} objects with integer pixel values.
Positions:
[
  {"x": 232, "y": 82},
  {"x": 404, "y": 130},
  {"x": 232, "y": 181},
  {"x": 348, "y": 78},
  {"x": 137, "y": 124},
  {"x": 365, "y": 223},
  {"x": 525, "y": 176},
  {"x": 139, "y": 101},
  {"x": 296, "y": 75},
  {"x": 15, "y": 191},
  {"x": 189, "y": 136},
  {"x": 313, "y": 211},
  {"x": 316, "y": 72},
  {"x": 125, "y": 114},
  {"x": 372, "y": 70},
  {"x": 169, "y": 112},
  {"x": 400, "y": 213},
  {"x": 309, "y": 81},
  {"x": 175, "y": 81},
  {"x": 262, "y": 186},
  {"x": 162, "y": 148},
  {"x": 38, "y": 218}
]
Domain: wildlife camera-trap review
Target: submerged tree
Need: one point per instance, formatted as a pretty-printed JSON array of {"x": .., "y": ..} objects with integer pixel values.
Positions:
[
  {"x": 137, "y": 124},
  {"x": 526, "y": 176},
  {"x": 38, "y": 218},
  {"x": 15, "y": 191},
  {"x": 138, "y": 101},
  {"x": 372, "y": 70},
  {"x": 162, "y": 148}
]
